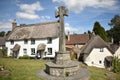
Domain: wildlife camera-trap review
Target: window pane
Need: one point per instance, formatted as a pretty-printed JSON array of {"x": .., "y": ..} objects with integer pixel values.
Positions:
[
  {"x": 32, "y": 41},
  {"x": 101, "y": 49},
  {"x": 25, "y": 41},
  {"x": 12, "y": 42},
  {"x": 25, "y": 51},
  {"x": 32, "y": 51},
  {"x": 49, "y": 40},
  {"x": 49, "y": 51}
]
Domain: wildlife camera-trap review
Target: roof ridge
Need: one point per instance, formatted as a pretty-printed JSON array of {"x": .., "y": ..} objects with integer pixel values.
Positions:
[{"x": 43, "y": 23}]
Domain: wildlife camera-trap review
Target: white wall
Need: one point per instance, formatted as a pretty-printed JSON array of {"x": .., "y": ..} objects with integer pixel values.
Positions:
[
  {"x": 117, "y": 53},
  {"x": 54, "y": 45},
  {"x": 96, "y": 56}
]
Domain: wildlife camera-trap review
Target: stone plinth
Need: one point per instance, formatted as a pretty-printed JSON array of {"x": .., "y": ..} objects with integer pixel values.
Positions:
[
  {"x": 62, "y": 66},
  {"x": 62, "y": 70},
  {"x": 62, "y": 58}
]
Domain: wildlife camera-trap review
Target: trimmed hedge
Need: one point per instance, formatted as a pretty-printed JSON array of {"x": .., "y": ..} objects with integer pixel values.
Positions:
[{"x": 24, "y": 57}]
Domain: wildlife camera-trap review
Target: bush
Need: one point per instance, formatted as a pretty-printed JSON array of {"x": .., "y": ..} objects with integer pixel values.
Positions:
[
  {"x": 24, "y": 57},
  {"x": 3, "y": 52},
  {"x": 116, "y": 64}
]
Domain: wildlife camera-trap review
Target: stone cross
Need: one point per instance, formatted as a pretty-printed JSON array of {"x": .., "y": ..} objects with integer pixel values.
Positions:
[{"x": 62, "y": 11}]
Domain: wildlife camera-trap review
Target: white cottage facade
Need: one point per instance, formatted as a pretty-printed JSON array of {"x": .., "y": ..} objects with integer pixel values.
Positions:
[
  {"x": 96, "y": 53},
  {"x": 97, "y": 57},
  {"x": 39, "y": 40}
]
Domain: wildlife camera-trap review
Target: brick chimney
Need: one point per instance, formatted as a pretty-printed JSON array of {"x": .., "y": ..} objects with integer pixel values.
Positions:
[{"x": 14, "y": 24}]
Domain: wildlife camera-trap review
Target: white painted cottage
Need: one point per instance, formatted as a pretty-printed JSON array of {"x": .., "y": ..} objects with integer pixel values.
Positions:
[
  {"x": 39, "y": 40},
  {"x": 96, "y": 53}
]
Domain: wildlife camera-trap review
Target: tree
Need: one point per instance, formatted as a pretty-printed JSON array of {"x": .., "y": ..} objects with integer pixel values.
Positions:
[
  {"x": 2, "y": 34},
  {"x": 99, "y": 30},
  {"x": 114, "y": 32}
]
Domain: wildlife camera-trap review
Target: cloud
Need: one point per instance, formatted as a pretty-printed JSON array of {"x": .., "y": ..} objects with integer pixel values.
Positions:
[
  {"x": 71, "y": 29},
  {"x": 23, "y": 15},
  {"x": 5, "y": 26},
  {"x": 28, "y": 11},
  {"x": 79, "y": 5}
]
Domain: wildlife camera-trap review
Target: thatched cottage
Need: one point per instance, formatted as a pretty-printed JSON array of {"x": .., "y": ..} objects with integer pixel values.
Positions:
[
  {"x": 96, "y": 52},
  {"x": 39, "y": 40}
]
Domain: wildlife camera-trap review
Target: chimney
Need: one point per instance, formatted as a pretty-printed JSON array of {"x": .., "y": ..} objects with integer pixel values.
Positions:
[
  {"x": 14, "y": 24},
  {"x": 112, "y": 40},
  {"x": 68, "y": 36}
]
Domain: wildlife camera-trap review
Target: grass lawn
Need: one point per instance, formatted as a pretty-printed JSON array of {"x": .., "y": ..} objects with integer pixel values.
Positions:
[
  {"x": 22, "y": 69},
  {"x": 27, "y": 69}
]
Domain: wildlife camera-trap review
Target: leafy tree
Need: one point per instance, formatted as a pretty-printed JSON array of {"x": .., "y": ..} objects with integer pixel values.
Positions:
[
  {"x": 2, "y": 34},
  {"x": 88, "y": 32},
  {"x": 114, "y": 32},
  {"x": 99, "y": 30}
]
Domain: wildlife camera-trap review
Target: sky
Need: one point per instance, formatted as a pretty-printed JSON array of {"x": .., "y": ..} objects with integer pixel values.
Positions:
[{"x": 82, "y": 13}]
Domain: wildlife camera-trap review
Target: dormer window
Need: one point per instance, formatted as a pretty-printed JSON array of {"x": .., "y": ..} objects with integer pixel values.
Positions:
[
  {"x": 32, "y": 41},
  {"x": 12, "y": 42},
  {"x": 25, "y": 41},
  {"x": 49, "y": 40}
]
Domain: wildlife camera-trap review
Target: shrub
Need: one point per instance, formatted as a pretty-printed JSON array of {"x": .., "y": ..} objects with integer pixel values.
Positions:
[
  {"x": 24, "y": 57},
  {"x": 3, "y": 52},
  {"x": 116, "y": 64}
]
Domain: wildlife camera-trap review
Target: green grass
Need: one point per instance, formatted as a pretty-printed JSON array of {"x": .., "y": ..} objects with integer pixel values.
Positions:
[
  {"x": 99, "y": 74},
  {"x": 22, "y": 69}
]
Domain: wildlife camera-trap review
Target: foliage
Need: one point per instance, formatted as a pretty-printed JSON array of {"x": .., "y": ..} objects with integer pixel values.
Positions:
[
  {"x": 3, "y": 33},
  {"x": 99, "y": 30},
  {"x": 24, "y": 57},
  {"x": 3, "y": 52},
  {"x": 114, "y": 32},
  {"x": 116, "y": 64},
  {"x": 88, "y": 32}
]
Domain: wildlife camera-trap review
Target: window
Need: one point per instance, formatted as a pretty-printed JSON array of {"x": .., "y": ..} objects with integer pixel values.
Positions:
[
  {"x": 101, "y": 49},
  {"x": 32, "y": 51},
  {"x": 49, "y": 51},
  {"x": 92, "y": 62},
  {"x": 11, "y": 42},
  {"x": 49, "y": 40},
  {"x": 25, "y": 41},
  {"x": 25, "y": 51},
  {"x": 32, "y": 41},
  {"x": 100, "y": 61}
]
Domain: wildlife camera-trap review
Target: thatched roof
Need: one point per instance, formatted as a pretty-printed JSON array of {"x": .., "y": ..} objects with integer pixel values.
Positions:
[
  {"x": 95, "y": 42},
  {"x": 35, "y": 31},
  {"x": 16, "y": 47},
  {"x": 41, "y": 46}
]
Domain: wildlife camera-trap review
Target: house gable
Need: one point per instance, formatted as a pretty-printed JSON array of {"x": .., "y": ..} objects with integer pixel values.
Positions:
[{"x": 95, "y": 52}]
